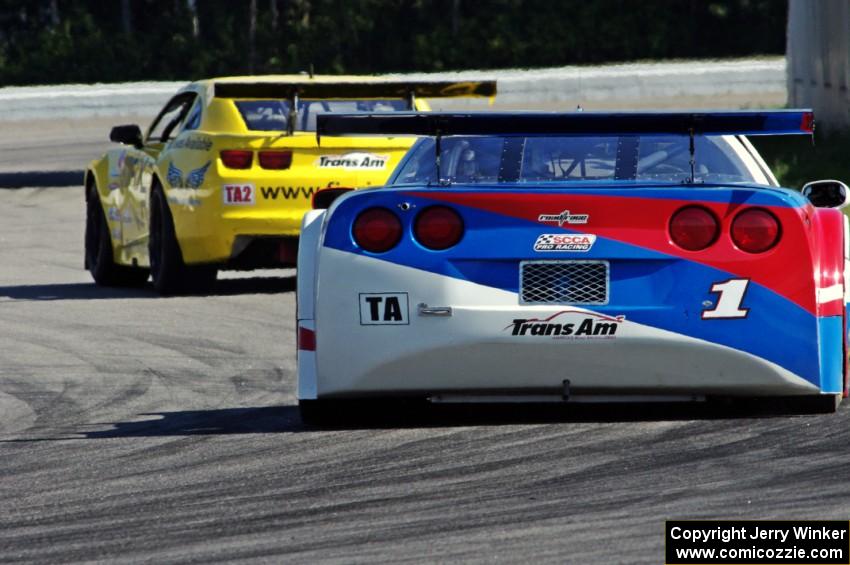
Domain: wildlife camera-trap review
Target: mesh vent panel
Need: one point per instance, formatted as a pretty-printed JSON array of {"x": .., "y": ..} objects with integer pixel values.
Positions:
[{"x": 564, "y": 282}]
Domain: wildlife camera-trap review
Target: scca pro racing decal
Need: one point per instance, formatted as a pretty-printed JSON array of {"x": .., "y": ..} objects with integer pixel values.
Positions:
[
  {"x": 568, "y": 324},
  {"x": 354, "y": 160},
  {"x": 384, "y": 309},
  {"x": 580, "y": 242},
  {"x": 238, "y": 194},
  {"x": 564, "y": 218}
]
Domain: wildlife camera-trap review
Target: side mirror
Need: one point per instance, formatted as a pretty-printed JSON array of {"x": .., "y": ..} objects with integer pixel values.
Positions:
[
  {"x": 827, "y": 193},
  {"x": 128, "y": 135}
]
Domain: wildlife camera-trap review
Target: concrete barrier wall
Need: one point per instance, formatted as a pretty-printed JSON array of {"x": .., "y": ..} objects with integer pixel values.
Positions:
[
  {"x": 753, "y": 82},
  {"x": 819, "y": 59}
]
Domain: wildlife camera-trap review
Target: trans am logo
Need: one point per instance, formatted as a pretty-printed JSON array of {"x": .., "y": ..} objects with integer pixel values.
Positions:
[
  {"x": 573, "y": 324},
  {"x": 581, "y": 242},
  {"x": 353, "y": 160},
  {"x": 564, "y": 218},
  {"x": 194, "y": 179}
]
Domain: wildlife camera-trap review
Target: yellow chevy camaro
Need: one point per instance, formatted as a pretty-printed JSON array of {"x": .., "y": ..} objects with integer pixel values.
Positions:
[{"x": 224, "y": 174}]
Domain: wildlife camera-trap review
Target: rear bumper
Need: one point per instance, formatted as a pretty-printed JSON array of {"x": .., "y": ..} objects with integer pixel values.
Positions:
[
  {"x": 209, "y": 232},
  {"x": 439, "y": 356},
  {"x": 480, "y": 347}
]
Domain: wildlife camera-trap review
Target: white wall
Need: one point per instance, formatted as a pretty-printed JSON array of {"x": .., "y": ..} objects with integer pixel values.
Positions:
[
  {"x": 750, "y": 83},
  {"x": 818, "y": 56}
]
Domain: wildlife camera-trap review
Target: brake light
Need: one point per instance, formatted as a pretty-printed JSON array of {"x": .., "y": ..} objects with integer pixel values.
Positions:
[
  {"x": 438, "y": 227},
  {"x": 377, "y": 230},
  {"x": 755, "y": 230},
  {"x": 322, "y": 199},
  {"x": 306, "y": 339},
  {"x": 275, "y": 159},
  {"x": 693, "y": 228},
  {"x": 237, "y": 158}
]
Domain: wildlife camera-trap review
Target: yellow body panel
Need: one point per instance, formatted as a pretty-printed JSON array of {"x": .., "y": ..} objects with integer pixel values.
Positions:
[
  {"x": 268, "y": 202},
  {"x": 213, "y": 205}
]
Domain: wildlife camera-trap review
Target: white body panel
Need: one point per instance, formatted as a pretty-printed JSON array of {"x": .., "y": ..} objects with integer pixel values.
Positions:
[
  {"x": 473, "y": 349},
  {"x": 311, "y": 235}
]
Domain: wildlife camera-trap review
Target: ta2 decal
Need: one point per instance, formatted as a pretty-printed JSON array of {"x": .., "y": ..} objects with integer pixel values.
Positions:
[{"x": 240, "y": 194}]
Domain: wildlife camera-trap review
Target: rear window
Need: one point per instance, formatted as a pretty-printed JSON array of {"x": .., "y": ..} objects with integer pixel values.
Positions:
[
  {"x": 273, "y": 115},
  {"x": 651, "y": 158}
]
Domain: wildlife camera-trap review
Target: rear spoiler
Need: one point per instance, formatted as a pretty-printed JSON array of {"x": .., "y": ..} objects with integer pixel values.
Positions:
[
  {"x": 346, "y": 90},
  {"x": 436, "y": 124}
]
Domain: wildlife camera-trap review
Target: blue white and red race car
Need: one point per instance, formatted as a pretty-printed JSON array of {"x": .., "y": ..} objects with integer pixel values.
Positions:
[{"x": 582, "y": 256}]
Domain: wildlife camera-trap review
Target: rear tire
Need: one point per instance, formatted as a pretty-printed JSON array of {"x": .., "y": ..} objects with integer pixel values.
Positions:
[
  {"x": 99, "y": 253},
  {"x": 379, "y": 412},
  {"x": 320, "y": 413},
  {"x": 169, "y": 273}
]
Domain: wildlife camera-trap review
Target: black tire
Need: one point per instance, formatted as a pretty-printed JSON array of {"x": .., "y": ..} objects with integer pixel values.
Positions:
[
  {"x": 170, "y": 275},
  {"x": 822, "y": 404},
  {"x": 379, "y": 412},
  {"x": 320, "y": 413},
  {"x": 98, "y": 249}
]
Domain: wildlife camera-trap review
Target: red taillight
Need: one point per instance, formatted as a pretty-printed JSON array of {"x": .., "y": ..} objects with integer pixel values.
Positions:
[
  {"x": 438, "y": 227},
  {"x": 275, "y": 159},
  {"x": 755, "y": 230},
  {"x": 306, "y": 339},
  {"x": 237, "y": 158},
  {"x": 693, "y": 228},
  {"x": 377, "y": 230}
]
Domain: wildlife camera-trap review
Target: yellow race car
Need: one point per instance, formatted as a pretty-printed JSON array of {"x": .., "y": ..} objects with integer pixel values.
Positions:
[{"x": 224, "y": 174}]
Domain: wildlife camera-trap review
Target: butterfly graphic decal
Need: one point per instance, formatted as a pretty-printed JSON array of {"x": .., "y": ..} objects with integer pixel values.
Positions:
[{"x": 194, "y": 179}]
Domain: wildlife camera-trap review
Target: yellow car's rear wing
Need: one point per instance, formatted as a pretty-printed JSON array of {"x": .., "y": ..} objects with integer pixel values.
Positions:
[
  {"x": 347, "y": 90},
  {"x": 352, "y": 90}
]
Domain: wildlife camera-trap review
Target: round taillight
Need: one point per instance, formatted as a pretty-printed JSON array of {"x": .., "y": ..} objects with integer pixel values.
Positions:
[
  {"x": 693, "y": 228},
  {"x": 755, "y": 230},
  {"x": 438, "y": 227},
  {"x": 377, "y": 230}
]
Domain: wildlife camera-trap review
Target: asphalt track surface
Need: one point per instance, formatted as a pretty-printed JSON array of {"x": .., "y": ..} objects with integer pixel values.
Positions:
[{"x": 136, "y": 428}]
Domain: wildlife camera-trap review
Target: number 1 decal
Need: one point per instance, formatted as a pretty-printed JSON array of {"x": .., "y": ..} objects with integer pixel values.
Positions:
[{"x": 728, "y": 305}]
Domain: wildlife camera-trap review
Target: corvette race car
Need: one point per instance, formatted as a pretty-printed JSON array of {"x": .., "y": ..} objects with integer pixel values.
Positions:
[
  {"x": 574, "y": 257},
  {"x": 226, "y": 171}
]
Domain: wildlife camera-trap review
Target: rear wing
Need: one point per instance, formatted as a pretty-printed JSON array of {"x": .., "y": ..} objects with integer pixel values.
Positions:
[
  {"x": 347, "y": 90},
  {"x": 439, "y": 124},
  {"x": 436, "y": 124}
]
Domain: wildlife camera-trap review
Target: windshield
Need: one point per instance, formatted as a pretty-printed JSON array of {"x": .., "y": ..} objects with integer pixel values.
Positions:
[
  {"x": 273, "y": 115},
  {"x": 540, "y": 160}
]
